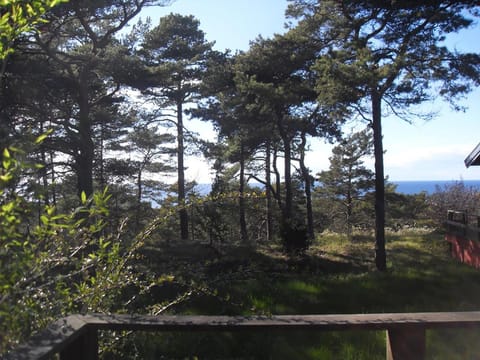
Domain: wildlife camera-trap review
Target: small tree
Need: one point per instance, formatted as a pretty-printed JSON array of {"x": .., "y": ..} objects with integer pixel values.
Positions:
[
  {"x": 174, "y": 55},
  {"x": 348, "y": 180}
]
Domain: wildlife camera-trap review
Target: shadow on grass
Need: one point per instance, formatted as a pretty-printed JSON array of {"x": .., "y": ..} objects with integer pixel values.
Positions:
[
  {"x": 331, "y": 278},
  {"x": 421, "y": 277}
]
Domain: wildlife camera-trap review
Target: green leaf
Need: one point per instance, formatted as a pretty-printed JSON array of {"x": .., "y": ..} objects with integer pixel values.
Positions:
[
  {"x": 44, "y": 219},
  {"x": 83, "y": 198},
  {"x": 6, "y": 154},
  {"x": 6, "y": 177},
  {"x": 42, "y": 137}
]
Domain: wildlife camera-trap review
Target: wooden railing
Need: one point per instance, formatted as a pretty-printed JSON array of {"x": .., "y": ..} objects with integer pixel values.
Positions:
[
  {"x": 462, "y": 223},
  {"x": 463, "y": 234},
  {"x": 76, "y": 336}
]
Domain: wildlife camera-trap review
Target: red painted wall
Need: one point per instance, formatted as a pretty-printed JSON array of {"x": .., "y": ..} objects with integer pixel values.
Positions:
[{"x": 467, "y": 251}]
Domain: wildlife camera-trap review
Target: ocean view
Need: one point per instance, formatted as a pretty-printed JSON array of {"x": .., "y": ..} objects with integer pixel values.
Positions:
[
  {"x": 429, "y": 186},
  {"x": 404, "y": 187}
]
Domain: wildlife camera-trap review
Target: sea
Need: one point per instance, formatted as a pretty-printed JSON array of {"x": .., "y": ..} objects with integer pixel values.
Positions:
[
  {"x": 407, "y": 187},
  {"x": 410, "y": 187}
]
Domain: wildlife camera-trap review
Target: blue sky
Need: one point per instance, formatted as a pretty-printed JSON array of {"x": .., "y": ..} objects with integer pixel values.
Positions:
[{"x": 432, "y": 150}]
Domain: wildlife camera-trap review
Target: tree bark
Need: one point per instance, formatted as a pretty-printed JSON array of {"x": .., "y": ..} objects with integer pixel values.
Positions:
[
  {"x": 348, "y": 214},
  {"x": 308, "y": 189},
  {"x": 139, "y": 198},
  {"x": 53, "y": 178},
  {"x": 287, "y": 209},
  {"x": 268, "y": 191},
  {"x": 380, "y": 254},
  {"x": 241, "y": 198},
  {"x": 44, "y": 170},
  {"x": 278, "y": 185},
  {"x": 183, "y": 214},
  {"x": 86, "y": 148}
]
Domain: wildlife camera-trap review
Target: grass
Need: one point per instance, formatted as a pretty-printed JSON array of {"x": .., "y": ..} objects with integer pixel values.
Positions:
[{"x": 334, "y": 276}]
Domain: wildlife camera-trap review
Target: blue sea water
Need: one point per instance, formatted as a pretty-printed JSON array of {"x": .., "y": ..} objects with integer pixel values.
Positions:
[
  {"x": 430, "y": 186},
  {"x": 407, "y": 187}
]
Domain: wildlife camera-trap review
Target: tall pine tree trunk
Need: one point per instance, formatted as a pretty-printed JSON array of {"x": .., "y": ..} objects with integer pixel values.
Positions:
[
  {"x": 287, "y": 209},
  {"x": 278, "y": 185},
  {"x": 139, "y": 198},
  {"x": 268, "y": 191},
  {"x": 44, "y": 170},
  {"x": 101, "y": 155},
  {"x": 181, "y": 174},
  {"x": 348, "y": 215},
  {"x": 86, "y": 149},
  {"x": 380, "y": 254},
  {"x": 288, "y": 206},
  {"x": 308, "y": 188},
  {"x": 52, "y": 179},
  {"x": 241, "y": 198}
]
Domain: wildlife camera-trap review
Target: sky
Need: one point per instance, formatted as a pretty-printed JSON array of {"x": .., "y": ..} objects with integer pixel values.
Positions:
[{"x": 432, "y": 150}]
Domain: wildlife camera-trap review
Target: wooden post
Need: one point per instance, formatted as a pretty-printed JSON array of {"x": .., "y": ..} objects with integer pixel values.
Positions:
[
  {"x": 406, "y": 343},
  {"x": 83, "y": 347}
]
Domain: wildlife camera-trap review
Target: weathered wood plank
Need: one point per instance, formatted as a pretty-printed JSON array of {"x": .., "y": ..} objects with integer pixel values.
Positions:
[
  {"x": 76, "y": 330},
  {"x": 50, "y": 341},
  {"x": 318, "y": 322}
]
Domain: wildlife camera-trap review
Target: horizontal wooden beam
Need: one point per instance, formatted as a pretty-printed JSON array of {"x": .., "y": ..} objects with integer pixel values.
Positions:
[
  {"x": 74, "y": 329},
  {"x": 293, "y": 322}
]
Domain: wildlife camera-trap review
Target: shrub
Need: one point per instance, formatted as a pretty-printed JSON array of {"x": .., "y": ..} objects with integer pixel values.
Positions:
[
  {"x": 455, "y": 196},
  {"x": 63, "y": 264}
]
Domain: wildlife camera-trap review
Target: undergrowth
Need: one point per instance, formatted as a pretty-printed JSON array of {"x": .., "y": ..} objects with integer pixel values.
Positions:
[{"x": 334, "y": 276}]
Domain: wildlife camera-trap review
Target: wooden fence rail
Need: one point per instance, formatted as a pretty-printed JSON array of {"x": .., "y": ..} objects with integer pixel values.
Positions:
[
  {"x": 464, "y": 224},
  {"x": 76, "y": 336},
  {"x": 463, "y": 234}
]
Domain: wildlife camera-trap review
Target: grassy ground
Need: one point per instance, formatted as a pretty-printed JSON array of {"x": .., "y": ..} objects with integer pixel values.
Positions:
[{"x": 335, "y": 276}]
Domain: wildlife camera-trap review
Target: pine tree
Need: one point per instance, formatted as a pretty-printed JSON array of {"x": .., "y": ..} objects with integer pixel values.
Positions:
[
  {"x": 174, "y": 55},
  {"x": 347, "y": 180},
  {"x": 373, "y": 54}
]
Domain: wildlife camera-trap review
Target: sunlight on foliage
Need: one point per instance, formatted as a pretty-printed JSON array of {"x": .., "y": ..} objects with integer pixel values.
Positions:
[
  {"x": 20, "y": 16},
  {"x": 64, "y": 264}
]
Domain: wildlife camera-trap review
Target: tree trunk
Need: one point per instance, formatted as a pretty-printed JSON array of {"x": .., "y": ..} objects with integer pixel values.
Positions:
[
  {"x": 101, "y": 149},
  {"x": 380, "y": 255},
  {"x": 308, "y": 189},
  {"x": 139, "y": 199},
  {"x": 241, "y": 199},
  {"x": 268, "y": 191},
  {"x": 348, "y": 217},
  {"x": 44, "y": 170},
  {"x": 181, "y": 174},
  {"x": 277, "y": 193},
  {"x": 86, "y": 148},
  {"x": 139, "y": 186},
  {"x": 349, "y": 204},
  {"x": 52, "y": 177},
  {"x": 288, "y": 208}
]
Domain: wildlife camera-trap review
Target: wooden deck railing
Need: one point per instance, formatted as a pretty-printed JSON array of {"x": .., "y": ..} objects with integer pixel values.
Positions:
[
  {"x": 463, "y": 224},
  {"x": 76, "y": 336},
  {"x": 463, "y": 234}
]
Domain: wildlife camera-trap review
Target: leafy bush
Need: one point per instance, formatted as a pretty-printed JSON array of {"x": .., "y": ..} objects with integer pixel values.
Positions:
[
  {"x": 63, "y": 263},
  {"x": 455, "y": 196}
]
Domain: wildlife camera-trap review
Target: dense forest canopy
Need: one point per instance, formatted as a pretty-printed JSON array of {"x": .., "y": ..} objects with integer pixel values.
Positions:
[{"x": 95, "y": 114}]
